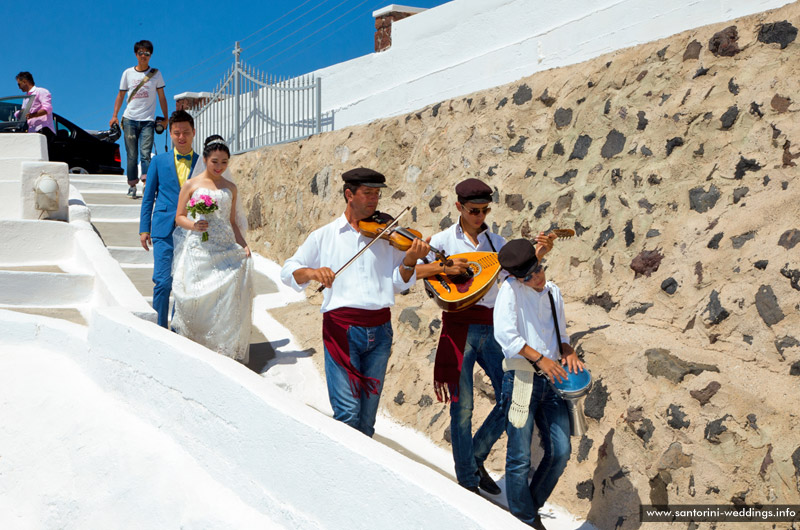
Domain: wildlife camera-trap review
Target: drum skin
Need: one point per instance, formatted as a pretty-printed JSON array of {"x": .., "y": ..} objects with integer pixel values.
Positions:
[{"x": 575, "y": 386}]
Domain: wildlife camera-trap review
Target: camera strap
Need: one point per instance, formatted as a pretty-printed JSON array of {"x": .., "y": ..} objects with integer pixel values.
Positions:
[{"x": 145, "y": 79}]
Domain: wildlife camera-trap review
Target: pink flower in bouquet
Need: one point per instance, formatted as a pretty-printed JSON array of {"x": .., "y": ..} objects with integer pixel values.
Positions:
[{"x": 205, "y": 205}]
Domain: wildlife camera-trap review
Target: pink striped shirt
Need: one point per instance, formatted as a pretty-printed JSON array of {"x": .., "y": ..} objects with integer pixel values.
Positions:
[{"x": 41, "y": 101}]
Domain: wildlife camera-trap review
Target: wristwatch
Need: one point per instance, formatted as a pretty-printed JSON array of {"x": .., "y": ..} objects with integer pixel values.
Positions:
[{"x": 408, "y": 267}]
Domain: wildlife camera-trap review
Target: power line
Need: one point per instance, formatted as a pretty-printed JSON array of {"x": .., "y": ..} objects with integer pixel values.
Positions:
[
  {"x": 289, "y": 35},
  {"x": 276, "y": 20},
  {"x": 179, "y": 74},
  {"x": 326, "y": 37},
  {"x": 213, "y": 66},
  {"x": 288, "y": 23},
  {"x": 300, "y": 28},
  {"x": 317, "y": 31}
]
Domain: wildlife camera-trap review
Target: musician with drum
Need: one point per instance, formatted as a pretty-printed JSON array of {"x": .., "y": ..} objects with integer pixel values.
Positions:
[
  {"x": 467, "y": 335},
  {"x": 529, "y": 325},
  {"x": 356, "y": 319}
]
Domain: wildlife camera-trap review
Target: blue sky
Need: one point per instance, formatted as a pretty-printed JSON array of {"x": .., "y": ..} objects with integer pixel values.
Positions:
[{"x": 78, "y": 49}]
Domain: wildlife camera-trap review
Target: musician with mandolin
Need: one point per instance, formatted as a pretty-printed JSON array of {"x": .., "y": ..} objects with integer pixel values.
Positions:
[
  {"x": 356, "y": 320},
  {"x": 465, "y": 286}
]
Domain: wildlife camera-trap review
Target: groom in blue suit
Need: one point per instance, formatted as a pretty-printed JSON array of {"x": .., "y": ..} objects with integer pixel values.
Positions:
[{"x": 168, "y": 172}]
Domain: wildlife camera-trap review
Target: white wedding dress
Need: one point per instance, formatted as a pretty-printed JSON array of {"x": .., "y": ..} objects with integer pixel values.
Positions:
[{"x": 212, "y": 283}]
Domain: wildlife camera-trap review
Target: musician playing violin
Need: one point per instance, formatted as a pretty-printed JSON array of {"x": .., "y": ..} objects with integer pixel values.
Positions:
[
  {"x": 467, "y": 337},
  {"x": 356, "y": 319}
]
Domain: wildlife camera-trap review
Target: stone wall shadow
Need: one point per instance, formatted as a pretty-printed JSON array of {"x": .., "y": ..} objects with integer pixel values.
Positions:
[{"x": 614, "y": 500}]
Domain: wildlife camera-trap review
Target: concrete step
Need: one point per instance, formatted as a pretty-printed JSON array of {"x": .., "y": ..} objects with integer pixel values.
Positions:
[
  {"x": 132, "y": 255},
  {"x": 111, "y": 197},
  {"x": 142, "y": 279},
  {"x": 262, "y": 284},
  {"x": 116, "y": 212},
  {"x": 43, "y": 267},
  {"x": 33, "y": 288},
  {"x": 98, "y": 176},
  {"x": 70, "y": 314},
  {"x": 119, "y": 185},
  {"x": 118, "y": 233}
]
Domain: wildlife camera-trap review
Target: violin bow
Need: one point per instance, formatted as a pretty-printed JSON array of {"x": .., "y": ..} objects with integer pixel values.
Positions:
[{"x": 388, "y": 227}]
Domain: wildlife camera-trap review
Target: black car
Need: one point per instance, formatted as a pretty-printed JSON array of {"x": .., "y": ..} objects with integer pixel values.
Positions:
[{"x": 82, "y": 151}]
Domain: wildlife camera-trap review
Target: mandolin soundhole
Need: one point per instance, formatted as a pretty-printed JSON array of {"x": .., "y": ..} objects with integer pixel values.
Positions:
[{"x": 473, "y": 270}]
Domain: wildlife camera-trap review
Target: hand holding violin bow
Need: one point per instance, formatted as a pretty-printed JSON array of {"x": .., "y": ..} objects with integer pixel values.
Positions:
[{"x": 383, "y": 226}]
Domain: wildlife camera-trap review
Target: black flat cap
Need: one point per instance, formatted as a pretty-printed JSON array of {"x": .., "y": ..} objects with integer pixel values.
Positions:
[
  {"x": 363, "y": 176},
  {"x": 518, "y": 257},
  {"x": 473, "y": 190}
]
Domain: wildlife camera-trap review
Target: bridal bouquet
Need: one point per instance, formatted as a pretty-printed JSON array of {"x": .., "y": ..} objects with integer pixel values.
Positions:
[{"x": 202, "y": 206}]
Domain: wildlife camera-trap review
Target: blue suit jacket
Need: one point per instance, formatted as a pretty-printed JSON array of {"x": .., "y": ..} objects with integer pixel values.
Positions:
[{"x": 160, "y": 200}]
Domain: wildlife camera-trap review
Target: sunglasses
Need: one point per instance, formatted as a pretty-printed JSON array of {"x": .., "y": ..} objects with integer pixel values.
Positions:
[
  {"x": 536, "y": 270},
  {"x": 143, "y": 54},
  {"x": 477, "y": 211}
]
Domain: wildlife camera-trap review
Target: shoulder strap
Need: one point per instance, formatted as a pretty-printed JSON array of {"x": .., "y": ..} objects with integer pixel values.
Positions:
[
  {"x": 555, "y": 319},
  {"x": 145, "y": 79},
  {"x": 489, "y": 237}
]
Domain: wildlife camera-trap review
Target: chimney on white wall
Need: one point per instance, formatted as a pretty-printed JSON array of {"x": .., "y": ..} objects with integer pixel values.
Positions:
[{"x": 384, "y": 18}]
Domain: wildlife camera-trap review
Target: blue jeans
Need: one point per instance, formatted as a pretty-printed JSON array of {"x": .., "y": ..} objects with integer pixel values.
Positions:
[
  {"x": 138, "y": 141},
  {"x": 469, "y": 452},
  {"x": 550, "y": 413},
  {"x": 369, "y": 354}
]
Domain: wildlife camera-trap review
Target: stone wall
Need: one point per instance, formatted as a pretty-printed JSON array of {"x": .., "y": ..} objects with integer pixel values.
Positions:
[{"x": 675, "y": 163}]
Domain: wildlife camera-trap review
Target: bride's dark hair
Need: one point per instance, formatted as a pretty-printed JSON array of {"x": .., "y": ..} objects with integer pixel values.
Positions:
[{"x": 213, "y": 143}]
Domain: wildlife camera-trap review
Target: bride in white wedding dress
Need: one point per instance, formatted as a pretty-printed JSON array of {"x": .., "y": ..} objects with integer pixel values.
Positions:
[{"x": 212, "y": 280}]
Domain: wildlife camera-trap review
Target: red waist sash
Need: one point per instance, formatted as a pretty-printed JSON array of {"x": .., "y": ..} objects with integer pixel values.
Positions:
[
  {"x": 335, "y": 324},
  {"x": 450, "y": 351}
]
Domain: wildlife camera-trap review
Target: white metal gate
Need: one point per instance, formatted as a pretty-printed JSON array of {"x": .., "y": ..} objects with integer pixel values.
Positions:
[{"x": 251, "y": 109}]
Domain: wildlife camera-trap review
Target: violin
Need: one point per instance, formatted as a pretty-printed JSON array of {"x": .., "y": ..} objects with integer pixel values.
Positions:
[
  {"x": 383, "y": 226},
  {"x": 398, "y": 237}
]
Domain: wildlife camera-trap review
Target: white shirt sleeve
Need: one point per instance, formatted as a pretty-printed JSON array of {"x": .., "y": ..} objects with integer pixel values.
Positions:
[
  {"x": 306, "y": 256},
  {"x": 506, "y": 326},
  {"x": 397, "y": 279}
]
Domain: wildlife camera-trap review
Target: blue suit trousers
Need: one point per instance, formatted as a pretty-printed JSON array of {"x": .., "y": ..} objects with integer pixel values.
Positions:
[{"x": 163, "y": 248}]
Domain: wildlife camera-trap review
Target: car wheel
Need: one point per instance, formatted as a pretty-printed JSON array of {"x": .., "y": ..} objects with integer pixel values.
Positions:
[{"x": 78, "y": 170}]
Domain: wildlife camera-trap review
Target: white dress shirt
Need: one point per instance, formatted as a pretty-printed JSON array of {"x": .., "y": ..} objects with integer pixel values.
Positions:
[
  {"x": 523, "y": 316},
  {"x": 454, "y": 241},
  {"x": 370, "y": 282}
]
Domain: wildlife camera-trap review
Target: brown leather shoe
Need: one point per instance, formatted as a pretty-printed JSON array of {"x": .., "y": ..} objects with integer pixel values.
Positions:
[{"x": 487, "y": 484}]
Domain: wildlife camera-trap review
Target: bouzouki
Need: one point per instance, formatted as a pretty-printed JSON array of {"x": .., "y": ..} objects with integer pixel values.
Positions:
[{"x": 458, "y": 292}]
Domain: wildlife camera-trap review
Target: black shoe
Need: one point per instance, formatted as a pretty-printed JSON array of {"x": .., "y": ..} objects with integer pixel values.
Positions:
[
  {"x": 487, "y": 484},
  {"x": 473, "y": 489},
  {"x": 537, "y": 523},
  {"x": 132, "y": 192}
]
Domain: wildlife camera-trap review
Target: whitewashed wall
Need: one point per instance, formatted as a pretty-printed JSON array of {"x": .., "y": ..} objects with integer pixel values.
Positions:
[
  {"x": 15, "y": 150},
  {"x": 468, "y": 45},
  {"x": 276, "y": 455}
]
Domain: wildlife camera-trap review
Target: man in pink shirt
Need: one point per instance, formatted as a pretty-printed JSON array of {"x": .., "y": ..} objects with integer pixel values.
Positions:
[{"x": 40, "y": 114}]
